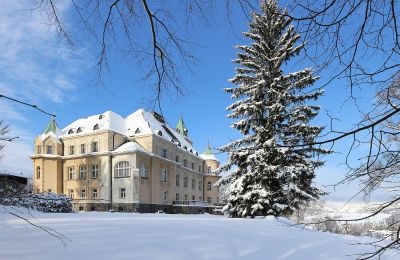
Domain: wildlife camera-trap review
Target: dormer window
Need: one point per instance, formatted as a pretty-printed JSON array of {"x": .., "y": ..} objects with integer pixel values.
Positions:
[
  {"x": 70, "y": 131},
  {"x": 79, "y": 130},
  {"x": 191, "y": 150},
  {"x": 179, "y": 144},
  {"x": 137, "y": 131},
  {"x": 96, "y": 127},
  {"x": 185, "y": 147},
  {"x": 101, "y": 116},
  {"x": 159, "y": 133}
]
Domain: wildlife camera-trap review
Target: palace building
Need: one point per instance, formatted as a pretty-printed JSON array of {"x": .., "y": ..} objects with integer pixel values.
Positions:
[{"x": 137, "y": 163}]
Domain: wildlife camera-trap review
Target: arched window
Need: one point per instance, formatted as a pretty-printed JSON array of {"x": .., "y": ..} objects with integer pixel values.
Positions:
[
  {"x": 143, "y": 170},
  {"x": 79, "y": 130},
  {"x": 122, "y": 169},
  {"x": 70, "y": 131},
  {"x": 96, "y": 127}
]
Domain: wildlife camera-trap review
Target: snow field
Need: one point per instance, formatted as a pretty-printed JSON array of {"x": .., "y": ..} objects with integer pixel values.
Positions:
[{"x": 96, "y": 235}]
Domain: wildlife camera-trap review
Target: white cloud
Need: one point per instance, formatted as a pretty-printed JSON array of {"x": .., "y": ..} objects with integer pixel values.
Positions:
[
  {"x": 36, "y": 66},
  {"x": 34, "y": 59}
]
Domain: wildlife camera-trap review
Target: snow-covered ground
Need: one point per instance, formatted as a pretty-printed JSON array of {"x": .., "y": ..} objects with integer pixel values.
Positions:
[{"x": 95, "y": 235}]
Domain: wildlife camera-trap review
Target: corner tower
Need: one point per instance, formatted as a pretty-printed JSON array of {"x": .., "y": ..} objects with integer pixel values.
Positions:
[
  {"x": 47, "y": 162},
  {"x": 211, "y": 163}
]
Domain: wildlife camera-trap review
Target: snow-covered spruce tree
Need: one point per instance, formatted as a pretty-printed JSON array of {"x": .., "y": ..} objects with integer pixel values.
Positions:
[{"x": 273, "y": 172}]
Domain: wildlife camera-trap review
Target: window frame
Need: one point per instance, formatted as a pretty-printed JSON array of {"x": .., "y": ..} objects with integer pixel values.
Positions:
[
  {"x": 71, "y": 193},
  {"x": 95, "y": 170},
  {"x": 82, "y": 172},
  {"x": 83, "y": 194},
  {"x": 122, "y": 169},
  {"x": 94, "y": 193},
  {"x": 49, "y": 149},
  {"x": 95, "y": 147},
  {"x": 71, "y": 173},
  {"x": 143, "y": 172},
  {"x": 209, "y": 186},
  {"x": 122, "y": 193},
  {"x": 164, "y": 175},
  {"x": 164, "y": 196},
  {"x": 38, "y": 172},
  {"x": 83, "y": 148},
  {"x": 71, "y": 149}
]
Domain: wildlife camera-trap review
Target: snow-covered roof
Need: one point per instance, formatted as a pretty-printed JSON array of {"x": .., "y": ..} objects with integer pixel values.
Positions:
[
  {"x": 7, "y": 172},
  {"x": 141, "y": 122},
  {"x": 129, "y": 147},
  {"x": 208, "y": 157},
  {"x": 107, "y": 121},
  {"x": 56, "y": 136}
]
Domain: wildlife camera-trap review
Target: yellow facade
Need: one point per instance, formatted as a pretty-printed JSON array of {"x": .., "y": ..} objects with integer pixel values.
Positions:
[{"x": 103, "y": 169}]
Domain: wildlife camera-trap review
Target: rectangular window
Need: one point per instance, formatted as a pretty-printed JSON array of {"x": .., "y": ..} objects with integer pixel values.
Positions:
[
  {"x": 177, "y": 180},
  {"x": 186, "y": 197},
  {"x": 92, "y": 208},
  {"x": 164, "y": 175},
  {"x": 71, "y": 149},
  {"x": 200, "y": 185},
  {"x": 122, "y": 193},
  {"x": 49, "y": 149},
  {"x": 192, "y": 165},
  {"x": 177, "y": 158},
  {"x": 82, "y": 172},
  {"x": 71, "y": 173},
  {"x": 185, "y": 163},
  {"x": 83, "y": 194},
  {"x": 39, "y": 149},
  {"x": 209, "y": 185},
  {"x": 95, "y": 147},
  {"x": 193, "y": 197},
  {"x": 164, "y": 195},
  {"x": 200, "y": 198},
  {"x": 71, "y": 193},
  {"x": 80, "y": 208},
  {"x": 83, "y": 148},
  {"x": 95, "y": 171},
  {"x": 94, "y": 193},
  {"x": 208, "y": 199},
  {"x": 193, "y": 184},
  {"x": 37, "y": 172},
  {"x": 209, "y": 169},
  {"x": 185, "y": 182},
  {"x": 164, "y": 153},
  {"x": 177, "y": 196},
  {"x": 199, "y": 168}
]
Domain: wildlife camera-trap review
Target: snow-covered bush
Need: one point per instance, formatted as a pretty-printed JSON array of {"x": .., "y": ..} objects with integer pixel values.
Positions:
[{"x": 45, "y": 202}]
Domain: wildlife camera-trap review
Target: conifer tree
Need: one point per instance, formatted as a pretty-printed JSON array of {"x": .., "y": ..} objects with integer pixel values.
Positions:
[{"x": 273, "y": 170}]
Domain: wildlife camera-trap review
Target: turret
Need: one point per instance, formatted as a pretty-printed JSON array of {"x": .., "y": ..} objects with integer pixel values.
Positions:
[{"x": 47, "y": 160}]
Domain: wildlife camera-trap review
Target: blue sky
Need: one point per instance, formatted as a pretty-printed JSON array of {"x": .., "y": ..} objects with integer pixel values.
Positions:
[{"x": 37, "y": 66}]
